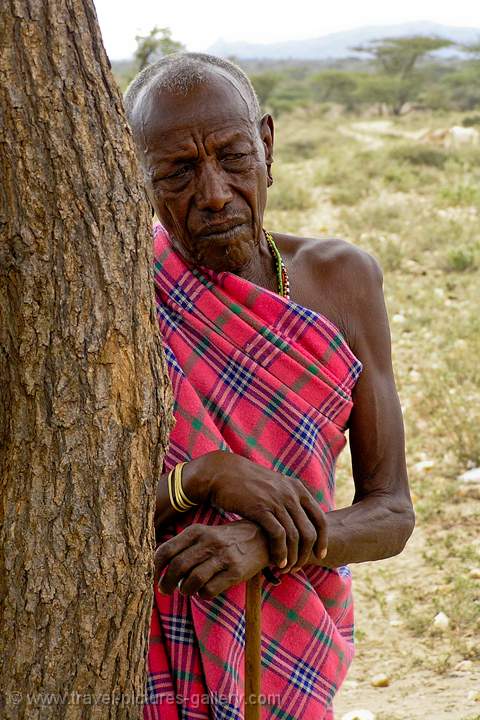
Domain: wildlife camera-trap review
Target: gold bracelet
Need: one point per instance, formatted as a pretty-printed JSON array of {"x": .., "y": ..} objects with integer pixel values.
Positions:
[
  {"x": 180, "y": 497},
  {"x": 170, "y": 493}
]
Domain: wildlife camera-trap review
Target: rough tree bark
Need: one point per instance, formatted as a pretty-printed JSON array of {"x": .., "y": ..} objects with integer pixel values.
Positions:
[{"x": 85, "y": 404}]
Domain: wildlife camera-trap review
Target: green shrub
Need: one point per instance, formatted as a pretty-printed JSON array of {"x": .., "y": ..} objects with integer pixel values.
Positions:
[
  {"x": 468, "y": 157},
  {"x": 460, "y": 260},
  {"x": 400, "y": 178},
  {"x": 420, "y": 155},
  {"x": 460, "y": 194},
  {"x": 471, "y": 120}
]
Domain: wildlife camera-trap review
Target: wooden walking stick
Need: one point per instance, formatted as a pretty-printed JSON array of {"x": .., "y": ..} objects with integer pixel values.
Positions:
[{"x": 253, "y": 650}]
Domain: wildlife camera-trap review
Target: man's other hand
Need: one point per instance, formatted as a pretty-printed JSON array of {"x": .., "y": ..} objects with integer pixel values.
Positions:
[
  {"x": 281, "y": 505},
  {"x": 209, "y": 559}
]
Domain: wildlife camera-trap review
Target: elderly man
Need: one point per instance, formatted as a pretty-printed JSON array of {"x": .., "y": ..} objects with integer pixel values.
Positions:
[{"x": 275, "y": 346}]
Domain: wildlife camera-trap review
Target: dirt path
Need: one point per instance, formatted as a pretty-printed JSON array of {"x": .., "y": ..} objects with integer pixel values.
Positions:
[
  {"x": 416, "y": 691},
  {"x": 369, "y": 140},
  {"x": 371, "y": 134}
]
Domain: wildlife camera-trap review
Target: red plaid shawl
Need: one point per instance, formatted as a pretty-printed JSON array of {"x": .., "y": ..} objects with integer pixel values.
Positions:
[{"x": 261, "y": 376}]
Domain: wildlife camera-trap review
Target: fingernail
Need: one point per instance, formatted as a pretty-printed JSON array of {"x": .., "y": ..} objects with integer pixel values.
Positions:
[
  {"x": 323, "y": 553},
  {"x": 283, "y": 563}
]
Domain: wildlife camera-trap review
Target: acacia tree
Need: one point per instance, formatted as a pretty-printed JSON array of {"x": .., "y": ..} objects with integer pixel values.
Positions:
[
  {"x": 156, "y": 44},
  {"x": 397, "y": 59},
  {"x": 85, "y": 403}
]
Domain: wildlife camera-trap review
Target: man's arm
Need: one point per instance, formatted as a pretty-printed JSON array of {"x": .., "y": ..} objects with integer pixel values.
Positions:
[{"x": 381, "y": 518}]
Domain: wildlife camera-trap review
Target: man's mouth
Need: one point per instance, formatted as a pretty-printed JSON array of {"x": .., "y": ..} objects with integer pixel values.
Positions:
[{"x": 219, "y": 230}]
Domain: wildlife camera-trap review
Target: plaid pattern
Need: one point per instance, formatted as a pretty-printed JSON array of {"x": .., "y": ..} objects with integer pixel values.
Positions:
[{"x": 258, "y": 375}]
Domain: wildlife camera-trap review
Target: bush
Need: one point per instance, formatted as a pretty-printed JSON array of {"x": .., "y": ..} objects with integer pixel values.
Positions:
[
  {"x": 460, "y": 260},
  {"x": 420, "y": 155},
  {"x": 461, "y": 194},
  {"x": 471, "y": 120}
]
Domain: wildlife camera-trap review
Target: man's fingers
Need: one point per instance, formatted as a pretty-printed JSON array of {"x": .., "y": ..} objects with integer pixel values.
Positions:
[
  {"x": 201, "y": 574},
  {"x": 167, "y": 550},
  {"x": 293, "y": 537},
  {"x": 180, "y": 566},
  {"x": 307, "y": 535},
  {"x": 317, "y": 517},
  {"x": 216, "y": 585},
  {"x": 277, "y": 537}
]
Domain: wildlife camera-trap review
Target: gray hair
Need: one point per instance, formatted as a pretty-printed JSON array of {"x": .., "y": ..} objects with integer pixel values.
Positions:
[{"x": 180, "y": 72}]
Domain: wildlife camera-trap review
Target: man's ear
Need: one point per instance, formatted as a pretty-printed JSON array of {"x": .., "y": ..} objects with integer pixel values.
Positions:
[{"x": 267, "y": 133}]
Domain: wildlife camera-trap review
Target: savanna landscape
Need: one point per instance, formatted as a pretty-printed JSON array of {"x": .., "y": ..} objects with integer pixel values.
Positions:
[{"x": 415, "y": 206}]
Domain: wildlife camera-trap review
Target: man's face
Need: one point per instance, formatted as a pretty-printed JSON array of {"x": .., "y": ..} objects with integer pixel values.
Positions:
[{"x": 206, "y": 165}]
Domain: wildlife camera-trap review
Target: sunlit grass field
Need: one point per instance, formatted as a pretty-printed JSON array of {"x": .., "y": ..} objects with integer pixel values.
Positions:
[{"x": 416, "y": 207}]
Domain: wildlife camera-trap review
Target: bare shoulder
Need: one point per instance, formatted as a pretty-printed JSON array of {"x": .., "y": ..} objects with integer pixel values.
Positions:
[
  {"x": 329, "y": 255},
  {"x": 334, "y": 277},
  {"x": 340, "y": 259}
]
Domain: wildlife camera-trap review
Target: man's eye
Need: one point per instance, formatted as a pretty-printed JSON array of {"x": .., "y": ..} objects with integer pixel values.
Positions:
[
  {"x": 184, "y": 170},
  {"x": 179, "y": 174},
  {"x": 235, "y": 161}
]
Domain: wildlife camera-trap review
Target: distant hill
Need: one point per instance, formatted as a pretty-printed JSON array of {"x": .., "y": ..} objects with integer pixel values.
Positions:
[{"x": 339, "y": 45}]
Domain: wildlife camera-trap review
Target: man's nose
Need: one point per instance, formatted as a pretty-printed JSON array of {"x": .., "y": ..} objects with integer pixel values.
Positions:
[{"x": 213, "y": 189}]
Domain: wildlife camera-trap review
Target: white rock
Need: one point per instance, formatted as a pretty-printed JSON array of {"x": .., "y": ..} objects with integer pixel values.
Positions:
[
  {"x": 358, "y": 715},
  {"x": 380, "y": 680},
  {"x": 474, "y": 695},
  {"x": 464, "y": 665},
  {"x": 350, "y": 684},
  {"x": 470, "y": 476},
  {"x": 423, "y": 465},
  {"x": 395, "y": 622},
  {"x": 399, "y": 318},
  {"x": 441, "y": 621},
  {"x": 475, "y": 573}
]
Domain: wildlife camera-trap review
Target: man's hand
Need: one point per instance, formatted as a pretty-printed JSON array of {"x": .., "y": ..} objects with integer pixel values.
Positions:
[
  {"x": 208, "y": 559},
  {"x": 282, "y": 506}
]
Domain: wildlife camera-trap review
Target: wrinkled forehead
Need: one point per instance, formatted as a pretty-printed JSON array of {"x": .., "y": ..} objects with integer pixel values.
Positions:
[{"x": 219, "y": 99}]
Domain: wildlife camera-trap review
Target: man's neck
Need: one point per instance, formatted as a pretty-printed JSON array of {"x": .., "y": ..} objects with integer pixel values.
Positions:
[{"x": 261, "y": 271}]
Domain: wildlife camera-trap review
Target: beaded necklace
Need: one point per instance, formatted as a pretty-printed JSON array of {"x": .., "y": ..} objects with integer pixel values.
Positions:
[{"x": 282, "y": 276}]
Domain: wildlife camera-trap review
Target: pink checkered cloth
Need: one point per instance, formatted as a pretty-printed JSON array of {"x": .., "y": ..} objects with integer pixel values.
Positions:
[{"x": 255, "y": 374}]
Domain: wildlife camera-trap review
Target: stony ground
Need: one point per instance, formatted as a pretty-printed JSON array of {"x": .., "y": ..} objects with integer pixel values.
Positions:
[{"x": 416, "y": 207}]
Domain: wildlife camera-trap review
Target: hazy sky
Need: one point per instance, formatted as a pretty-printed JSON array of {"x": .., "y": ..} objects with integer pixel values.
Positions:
[{"x": 198, "y": 23}]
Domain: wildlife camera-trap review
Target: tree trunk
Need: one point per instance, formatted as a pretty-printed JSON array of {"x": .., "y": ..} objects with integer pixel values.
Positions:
[{"x": 85, "y": 405}]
